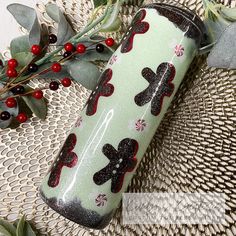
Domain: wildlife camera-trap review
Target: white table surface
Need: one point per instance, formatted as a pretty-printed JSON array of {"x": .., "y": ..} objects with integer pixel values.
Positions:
[{"x": 9, "y": 28}]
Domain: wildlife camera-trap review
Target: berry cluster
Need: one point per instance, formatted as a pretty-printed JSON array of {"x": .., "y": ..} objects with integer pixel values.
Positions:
[
  {"x": 19, "y": 90},
  {"x": 11, "y": 70},
  {"x": 11, "y": 102},
  {"x": 81, "y": 48}
]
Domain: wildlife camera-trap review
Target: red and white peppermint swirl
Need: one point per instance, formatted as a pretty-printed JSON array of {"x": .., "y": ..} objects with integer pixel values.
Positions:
[
  {"x": 101, "y": 200},
  {"x": 140, "y": 125},
  {"x": 179, "y": 50}
]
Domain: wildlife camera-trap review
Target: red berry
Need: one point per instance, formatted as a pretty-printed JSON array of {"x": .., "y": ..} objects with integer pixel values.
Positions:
[
  {"x": 109, "y": 42},
  {"x": 11, "y": 73},
  {"x": 54, "y": 85},
  {"x": 69, "y": 47},
  {"x": 36, "y": 49},
  {"x": 22, "y": 117},
  {"x": 11, "y": 102},
  {"x": 56, "y": 67},
  {"x": 12, "y": 63},
  {"x": 66, "y": 82},
  {"x": 81, "y": 48},
  {"x": 38, "y": 94}
]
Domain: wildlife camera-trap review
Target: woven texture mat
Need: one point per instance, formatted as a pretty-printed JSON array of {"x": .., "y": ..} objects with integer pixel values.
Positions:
[{"x": 194, "y": 149}]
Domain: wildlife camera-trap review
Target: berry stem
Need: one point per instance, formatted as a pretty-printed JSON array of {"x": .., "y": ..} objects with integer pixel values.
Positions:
[
  {"x": 76, "y": 38},
  {"x": 27, "y": 79},
  {"x": 25, "y": 94}
]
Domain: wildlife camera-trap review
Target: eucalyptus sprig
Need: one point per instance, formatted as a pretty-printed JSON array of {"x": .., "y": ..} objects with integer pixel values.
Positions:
[
  {"x": 20, "y": 227},
  {"x": 74, "y": 57},
  {"x": 220, "y": 22}
]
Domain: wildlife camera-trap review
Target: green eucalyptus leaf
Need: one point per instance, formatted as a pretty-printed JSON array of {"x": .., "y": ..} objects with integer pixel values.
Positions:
[
  {"x": 85, "y": 73},
  {"x": 9, "y": 227},
  {"x": 16, "y": 223},
  {"x": 88, "y": 41},
  {"x": 115, "y": 26},
  {"x": 27, "y": 17},
  {"x": 13, "y": 111},
  {"x": 229, "y": 13},
  {"x": 28, "y": 231},
  {"x": 4, "y": 232},
  {"x": 217, "y": 18},
  {"x": 223, "y": 54},
  {"x": 93, "y": 55},
  {"x": 21, "y": 78},
  {"x": 133, "y": 2},
  {"x": 24, "y": 58},
  {"x": 37, "y": 106},
  {"x": 20, "y": 227},
  {"x": 65, "y": 31},
  {"x": 96, "y": 38},
  {"x": 44, "y": 37},
  {"x": 215, "y": 28},
  {"x": 98, "y": 3},
  {"x": 112, "y": 21},
  {"x": 52, "y": 75},
  {"x": 20, "y": 44},
  {"x": 23, "y": 107}
]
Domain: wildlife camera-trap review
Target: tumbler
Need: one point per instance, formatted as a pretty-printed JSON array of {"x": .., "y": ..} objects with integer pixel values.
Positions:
[{"x": 99, "y": 157}]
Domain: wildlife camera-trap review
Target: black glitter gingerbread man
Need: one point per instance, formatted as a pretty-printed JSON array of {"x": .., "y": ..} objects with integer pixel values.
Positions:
[
  {"x": 138, "y": 26},
  {"x": 160, "y": 85},
  {"x": 103, "y": 89},
  {"x": 65, "y": 158},
  {"x": 121, "y": 161}
]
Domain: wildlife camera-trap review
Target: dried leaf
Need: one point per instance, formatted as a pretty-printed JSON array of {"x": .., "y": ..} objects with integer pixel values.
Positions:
[
  {"x": 223, "y": 54},
  {"x": 27, "y": 17},
  {"x": 9, "y": 227},
  {"x": 37, "y": 106},
  {"x": 20, "y": 227},
  {"x": 84, "y": 72},
  {"x": 65, "y": 31}
]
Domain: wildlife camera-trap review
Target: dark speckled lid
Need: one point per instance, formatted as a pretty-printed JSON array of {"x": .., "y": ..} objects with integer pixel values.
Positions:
[{"x": 184, "y": 19}]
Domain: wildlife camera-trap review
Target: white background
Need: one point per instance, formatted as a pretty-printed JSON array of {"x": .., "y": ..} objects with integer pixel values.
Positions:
[{"x": 9, "y": 28}]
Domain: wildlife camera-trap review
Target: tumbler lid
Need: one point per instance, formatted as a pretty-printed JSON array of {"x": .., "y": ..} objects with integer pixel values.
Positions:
[{"x": 184, "y": 19}]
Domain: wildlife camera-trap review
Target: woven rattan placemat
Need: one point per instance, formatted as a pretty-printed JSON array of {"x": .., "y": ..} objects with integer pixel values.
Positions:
[{"x": 194, "y": 149}]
